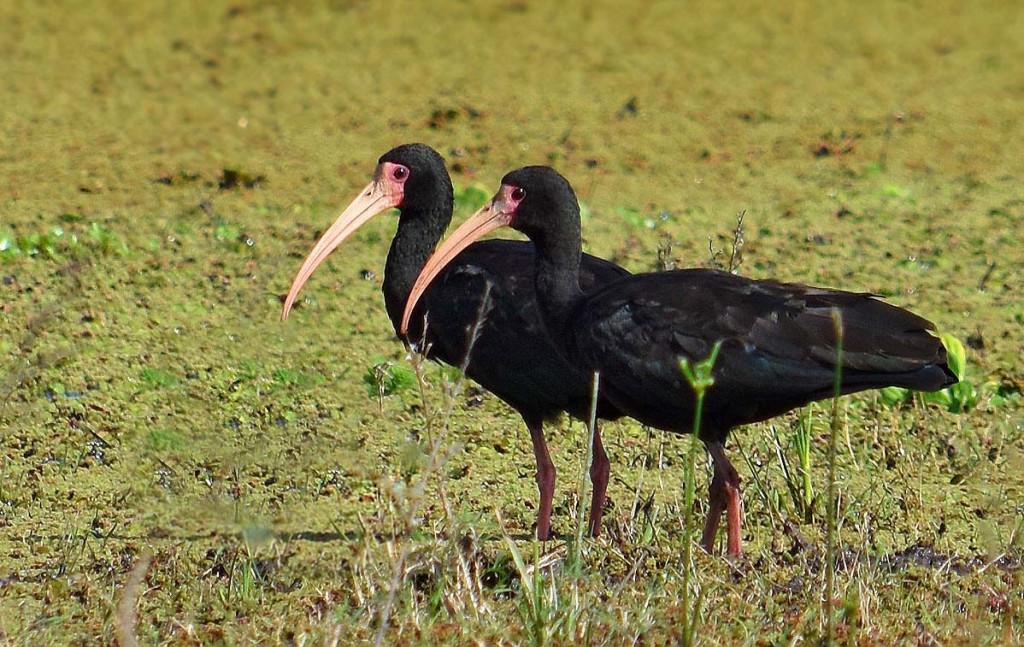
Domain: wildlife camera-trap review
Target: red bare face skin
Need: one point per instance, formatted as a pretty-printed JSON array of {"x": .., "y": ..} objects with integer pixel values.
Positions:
[
  {"x": 386, "y": 191},
  {"x": 499, "y": 212}
]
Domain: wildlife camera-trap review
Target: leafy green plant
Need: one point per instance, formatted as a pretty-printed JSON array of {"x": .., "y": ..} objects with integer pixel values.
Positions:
[
  {"x": 384, "y": 378},
  {"x": 227, "y": 231},
  {"x": 957, "y": 398},
  {"x": 548, "y": 605},
  {"x": 106, "y": 241},
  {"x": 48, "y": 244},
  {"x": 534, "y": 605},
  {"x": 798, "y": 481},
  {"x": 231, "y": 235},
  {"x": 56, "y": 241}
]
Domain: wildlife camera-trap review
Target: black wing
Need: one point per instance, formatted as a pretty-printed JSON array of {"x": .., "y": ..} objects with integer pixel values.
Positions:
[{"x": 778, "y": 344}]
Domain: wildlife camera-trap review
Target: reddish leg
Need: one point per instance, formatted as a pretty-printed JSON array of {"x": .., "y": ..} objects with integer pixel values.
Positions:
[
  {"x": 599, "y": 471},
  {"x": 723, "y": 496},
  {"x": 545, "y": 478},
  {"x": 716, "y": 505}
]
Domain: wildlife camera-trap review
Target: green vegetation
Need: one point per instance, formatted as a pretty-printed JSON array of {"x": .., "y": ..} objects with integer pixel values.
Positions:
[
  {"x": 470, "y": 198},
  {"x": 386, "y": 378},
  {"x": 157, "y": 377},
  {"x": 962, "y": 396},
  {"x": 699, "y": 377},
  {"x": 178, "y": 466},
  {"x": 57, "y": 241}
]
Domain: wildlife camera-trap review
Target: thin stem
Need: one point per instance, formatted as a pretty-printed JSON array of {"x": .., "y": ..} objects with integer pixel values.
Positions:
[
  {"x": 830, "y": 532},
  {"x": 585, "y": 478},
  {"x": 701, "y": 379}
]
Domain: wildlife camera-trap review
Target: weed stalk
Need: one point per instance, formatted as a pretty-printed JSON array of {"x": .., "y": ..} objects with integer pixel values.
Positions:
[
  {"x": 439, "y": 456},
  {"x": 584, "y": 483},
  {"x": 700, "y": 378},
  {"x": 830, "y": 532}
]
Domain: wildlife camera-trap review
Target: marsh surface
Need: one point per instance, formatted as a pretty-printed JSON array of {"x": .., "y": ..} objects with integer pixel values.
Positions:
[{"x": 165, "y": 166}]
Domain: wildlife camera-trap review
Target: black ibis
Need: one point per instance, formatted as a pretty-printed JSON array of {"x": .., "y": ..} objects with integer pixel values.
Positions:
[
  {"x": 778, "y": 341},
  {"x": 511, "y": 355}
]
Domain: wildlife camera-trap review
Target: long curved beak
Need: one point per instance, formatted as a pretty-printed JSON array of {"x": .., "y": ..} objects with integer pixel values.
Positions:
[
  {"x": 492, "y": 215},
  {"x": 378, "y": 196}
]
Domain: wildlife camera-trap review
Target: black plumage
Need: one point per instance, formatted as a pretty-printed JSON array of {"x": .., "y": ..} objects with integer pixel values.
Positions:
[
  {"x": 778, "y": 345},
  {"x": 778, "y": 340},
  {"x": 499, "y": 341}
]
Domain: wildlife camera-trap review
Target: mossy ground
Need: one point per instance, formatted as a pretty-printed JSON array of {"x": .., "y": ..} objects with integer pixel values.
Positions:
[{"x": 165, "y": 167}]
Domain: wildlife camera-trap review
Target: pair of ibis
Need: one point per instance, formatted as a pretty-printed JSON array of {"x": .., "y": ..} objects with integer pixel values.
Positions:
[{"x": 532, "y": 321}]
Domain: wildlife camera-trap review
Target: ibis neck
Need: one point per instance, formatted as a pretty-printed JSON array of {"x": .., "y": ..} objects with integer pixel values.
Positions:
[
  {"x": 418, "y": 234},
  {"x": 557, "y": 281}
]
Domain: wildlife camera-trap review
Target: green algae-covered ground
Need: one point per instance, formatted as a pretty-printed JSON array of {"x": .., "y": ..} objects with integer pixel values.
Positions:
[{"x": 180, "y": 466}]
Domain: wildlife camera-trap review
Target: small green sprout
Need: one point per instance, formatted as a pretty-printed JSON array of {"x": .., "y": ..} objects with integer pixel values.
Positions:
[
  {"x": 699, "y": 376},
  {"x": 957, "y": 398},
  {"x": 384, "y": 378}
]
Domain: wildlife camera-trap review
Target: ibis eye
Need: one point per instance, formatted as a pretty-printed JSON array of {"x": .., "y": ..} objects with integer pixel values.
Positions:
[
  {"x": 518, "y": 194},
  {"x": 400, "y": 173}
]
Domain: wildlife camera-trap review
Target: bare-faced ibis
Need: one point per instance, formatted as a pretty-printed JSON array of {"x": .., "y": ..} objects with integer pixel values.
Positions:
[
  {"x": 481, "y": 312},
  {"x": 778, "y": 340}
]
